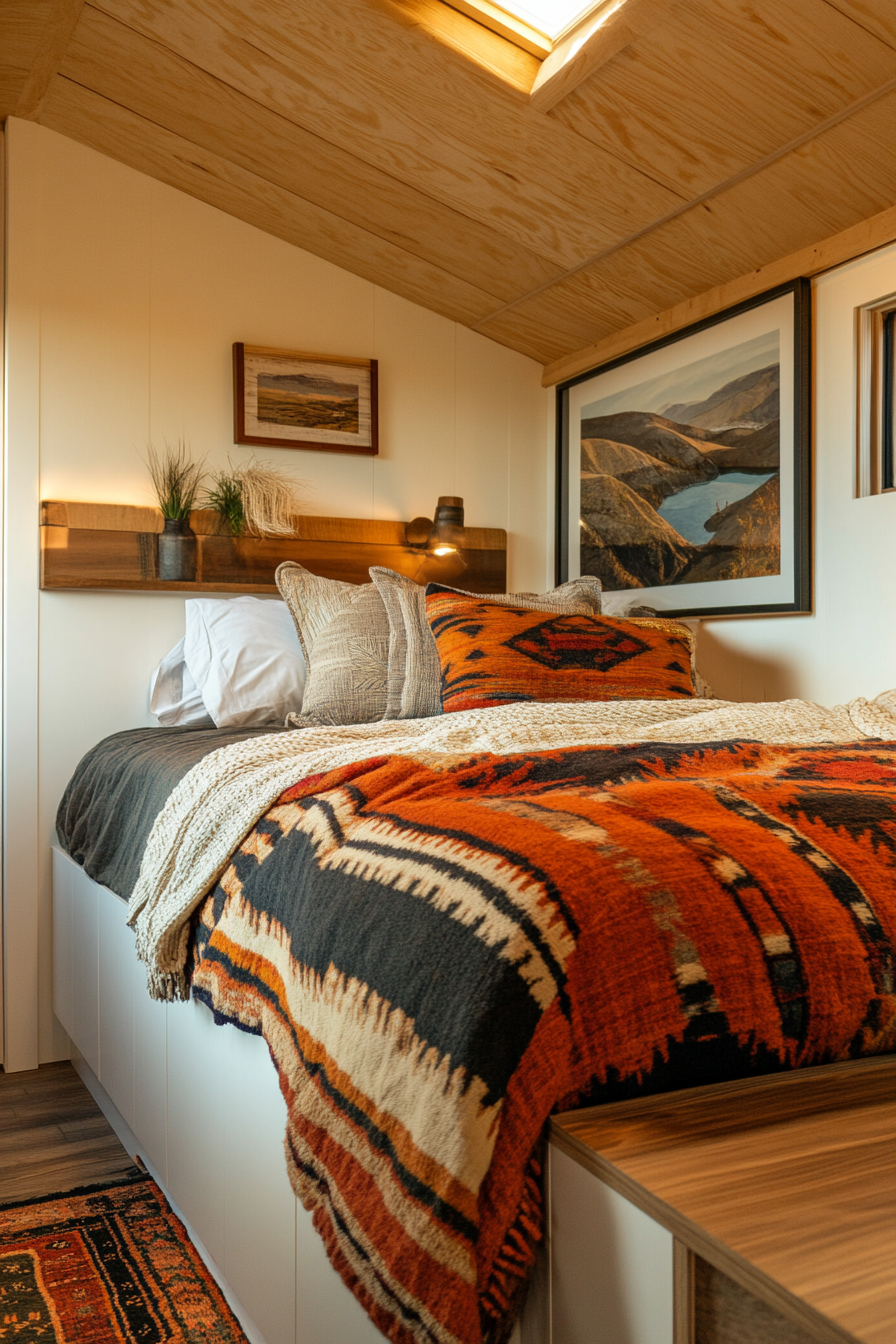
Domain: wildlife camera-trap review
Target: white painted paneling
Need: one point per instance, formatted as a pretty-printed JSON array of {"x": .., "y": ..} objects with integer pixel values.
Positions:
[
  {"x": 197, "y": 1171},
  {"x": 483, "y": 426},
  {"x": 611, "y": 1265},
  {"x": 23, "y": 832},
  {"x": 125, "y": 299},
  {"x": 62, "y": 940},
  {"x": 150, "y": 1071},
  {"x": 326, "y": 1312},
  {"x": 416, "y": 351},
  {"x": 117, "y": 958},
  {"x": 848, "y": 647},
  {"x": 259, "y": 1203},
  {"x": 132, "y": 1145},
  {"x": 85, "y": 1029}
]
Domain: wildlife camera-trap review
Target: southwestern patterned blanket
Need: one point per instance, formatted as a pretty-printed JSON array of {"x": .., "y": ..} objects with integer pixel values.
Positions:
[{"x": 441, "y": 949}]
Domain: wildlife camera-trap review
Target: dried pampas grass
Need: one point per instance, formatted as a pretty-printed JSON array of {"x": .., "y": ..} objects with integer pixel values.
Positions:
[
  {"x": 257, "y": 499},
  {"x": 271, "y": 498}
]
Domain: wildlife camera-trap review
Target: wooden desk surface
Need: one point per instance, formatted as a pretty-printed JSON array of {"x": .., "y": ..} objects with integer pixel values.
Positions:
[{"x": 786, "y": 1183}]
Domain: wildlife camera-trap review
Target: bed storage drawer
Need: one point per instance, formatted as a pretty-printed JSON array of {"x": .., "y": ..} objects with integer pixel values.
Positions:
[
  {"x": 76, "y": 953},
  {"x": 611, "y": 1264}
]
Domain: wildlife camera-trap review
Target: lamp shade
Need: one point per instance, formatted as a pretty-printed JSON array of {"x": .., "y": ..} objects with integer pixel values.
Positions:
[{"x": 447, "y": 531}]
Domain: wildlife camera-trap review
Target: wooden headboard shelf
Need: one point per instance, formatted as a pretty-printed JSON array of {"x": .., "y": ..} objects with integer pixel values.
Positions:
[{"x": 113, "y": 546}]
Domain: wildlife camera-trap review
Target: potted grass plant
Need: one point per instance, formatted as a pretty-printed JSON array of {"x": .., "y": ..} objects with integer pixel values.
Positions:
[{"x": 176, "y": 479}]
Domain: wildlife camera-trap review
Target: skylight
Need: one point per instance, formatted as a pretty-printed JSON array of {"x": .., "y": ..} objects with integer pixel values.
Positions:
[
  {"x": 550, "y": 17},
  {"x": 532, "y": 24}
]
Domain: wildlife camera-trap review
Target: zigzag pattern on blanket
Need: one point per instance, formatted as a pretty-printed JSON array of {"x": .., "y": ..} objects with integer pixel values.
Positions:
[{"x": 441, "y": 951}]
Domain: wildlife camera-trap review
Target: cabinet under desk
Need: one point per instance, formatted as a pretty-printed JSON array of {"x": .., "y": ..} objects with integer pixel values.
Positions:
[{"x": 780, "y": 1193}]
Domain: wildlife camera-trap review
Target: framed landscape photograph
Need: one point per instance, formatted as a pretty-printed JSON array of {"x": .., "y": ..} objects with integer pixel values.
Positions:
[
  {"x": 684, "y": 467},
  {"x": 287, "y": 399}
]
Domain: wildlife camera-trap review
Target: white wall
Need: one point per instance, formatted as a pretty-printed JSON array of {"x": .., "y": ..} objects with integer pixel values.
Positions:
[
  {"x": 124, "y": 298},
  {"x": 848, "y": 646}
]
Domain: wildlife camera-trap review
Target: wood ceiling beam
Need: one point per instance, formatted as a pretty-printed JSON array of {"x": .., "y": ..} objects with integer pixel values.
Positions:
[
  {"x": 593, "y": 42},
  {"x": 54, "y": 39},
  {"x": 871, "y": 233}
]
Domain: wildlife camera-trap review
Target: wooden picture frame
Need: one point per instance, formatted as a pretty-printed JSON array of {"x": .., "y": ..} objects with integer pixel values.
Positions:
[
  {"x": 292, "y": 399},
  {"x": 658, "y": 452}
]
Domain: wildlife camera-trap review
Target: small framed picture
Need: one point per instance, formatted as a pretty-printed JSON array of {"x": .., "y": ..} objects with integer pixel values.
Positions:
[
  {"x": 287, "y": 399},
  {"x": 684, "y": 467}
]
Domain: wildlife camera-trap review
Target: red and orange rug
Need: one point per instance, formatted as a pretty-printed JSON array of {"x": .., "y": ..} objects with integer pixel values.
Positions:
[{"x": 108, "y": 1264}]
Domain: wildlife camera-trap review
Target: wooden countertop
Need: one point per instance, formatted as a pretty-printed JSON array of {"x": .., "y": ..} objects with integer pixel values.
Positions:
[{"x": 786, "y": 1183}]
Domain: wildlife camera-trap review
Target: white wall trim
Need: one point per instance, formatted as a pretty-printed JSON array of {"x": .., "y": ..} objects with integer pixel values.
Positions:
[{"x": 21, "y": 577}]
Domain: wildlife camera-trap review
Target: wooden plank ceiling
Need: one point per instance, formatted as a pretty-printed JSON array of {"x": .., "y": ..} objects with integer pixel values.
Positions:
[{"x": 396, "y": 138}]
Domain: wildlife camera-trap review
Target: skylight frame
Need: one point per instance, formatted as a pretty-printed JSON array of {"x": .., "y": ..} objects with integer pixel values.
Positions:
[{"x": 516, "y": 21}]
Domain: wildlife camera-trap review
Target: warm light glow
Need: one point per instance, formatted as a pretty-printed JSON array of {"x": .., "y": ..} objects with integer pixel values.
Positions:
[
  {"x": 550, "y": 17},
  {"x": 444, "y": 550}
]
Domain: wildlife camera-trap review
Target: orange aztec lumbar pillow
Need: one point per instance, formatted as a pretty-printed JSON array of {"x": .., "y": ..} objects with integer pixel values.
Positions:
[{"x": 496, "y": 655}]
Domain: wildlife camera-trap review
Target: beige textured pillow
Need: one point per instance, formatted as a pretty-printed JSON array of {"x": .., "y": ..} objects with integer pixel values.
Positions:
[
  {"x": 414, "y": 676},
  {"x": 344, "y": 633}
]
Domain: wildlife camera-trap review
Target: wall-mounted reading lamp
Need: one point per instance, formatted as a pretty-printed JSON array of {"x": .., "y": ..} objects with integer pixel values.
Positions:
[{"x": 444, "y": 535}]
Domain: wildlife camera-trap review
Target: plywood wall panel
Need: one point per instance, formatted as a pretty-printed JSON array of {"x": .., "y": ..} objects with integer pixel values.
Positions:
[
  {"x": 876, "y": 16},
  {"x": 833, "y": 182},
  {"x": 103, "y": 125},
  {"x": 470, "y": 38},
  {"x": 415, "y": 111},
  {"x": 112, "y": 60},
  {"x": 22, "y": 23},
  {"x": 724, "y": 83}
]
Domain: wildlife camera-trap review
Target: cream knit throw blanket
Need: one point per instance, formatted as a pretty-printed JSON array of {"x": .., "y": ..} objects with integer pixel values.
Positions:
[{"x": 215, "y": 806}]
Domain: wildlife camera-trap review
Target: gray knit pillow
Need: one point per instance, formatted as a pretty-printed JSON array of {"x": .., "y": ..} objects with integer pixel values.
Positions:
[
  {"x": 344, "y": 633},
  {"x": 414, "y": 673}
]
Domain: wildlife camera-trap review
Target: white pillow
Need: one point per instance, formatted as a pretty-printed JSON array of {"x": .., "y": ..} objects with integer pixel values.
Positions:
[
  {"x": 243, "y": 657},
  {"x": 173, "y": 695}
]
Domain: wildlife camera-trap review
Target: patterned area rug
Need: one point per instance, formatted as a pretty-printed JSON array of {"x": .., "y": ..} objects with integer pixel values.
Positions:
[{"x": 106, "y": 1264}]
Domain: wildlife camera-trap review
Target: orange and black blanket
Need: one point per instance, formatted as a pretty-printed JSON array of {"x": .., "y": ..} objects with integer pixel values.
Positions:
[{"x": 440, "y": 952}]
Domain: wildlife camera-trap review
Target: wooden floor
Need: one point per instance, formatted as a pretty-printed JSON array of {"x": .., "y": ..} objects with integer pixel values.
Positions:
[{"x": 53, "y": 1136}]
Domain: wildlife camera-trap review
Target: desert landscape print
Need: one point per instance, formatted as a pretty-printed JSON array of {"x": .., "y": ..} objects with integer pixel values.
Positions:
[
  {"x": 308, "y": 401},
  {"x": 680, "y": 475}
]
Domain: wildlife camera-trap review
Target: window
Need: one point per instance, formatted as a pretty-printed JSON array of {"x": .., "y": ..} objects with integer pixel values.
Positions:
[
  {"x": 533, "y": 24},
  {"x": 877, "y": 396}
]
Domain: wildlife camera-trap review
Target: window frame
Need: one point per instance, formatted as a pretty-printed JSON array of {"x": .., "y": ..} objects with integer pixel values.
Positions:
[{"x": 876, "y": 389}]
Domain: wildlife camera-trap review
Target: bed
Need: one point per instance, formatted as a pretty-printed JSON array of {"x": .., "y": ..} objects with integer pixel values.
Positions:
[{"x": 441, "y": 930}]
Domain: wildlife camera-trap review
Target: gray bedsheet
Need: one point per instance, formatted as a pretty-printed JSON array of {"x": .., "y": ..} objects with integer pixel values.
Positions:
[{"x": 118, "y": 790}]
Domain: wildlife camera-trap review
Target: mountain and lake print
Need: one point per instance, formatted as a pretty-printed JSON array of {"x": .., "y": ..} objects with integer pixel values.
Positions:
[{"x": 680, "y": 476}]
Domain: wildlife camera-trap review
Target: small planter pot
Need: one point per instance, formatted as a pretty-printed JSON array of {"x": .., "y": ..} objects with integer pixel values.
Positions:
[{"x": 177, "y": 552}]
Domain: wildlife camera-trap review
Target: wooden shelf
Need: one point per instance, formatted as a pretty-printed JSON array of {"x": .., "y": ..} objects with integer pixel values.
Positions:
[{"x": 113, "y": 547}]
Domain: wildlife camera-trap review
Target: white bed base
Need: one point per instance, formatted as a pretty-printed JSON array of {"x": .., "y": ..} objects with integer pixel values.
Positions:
[{"x": 202, "y": 1108}]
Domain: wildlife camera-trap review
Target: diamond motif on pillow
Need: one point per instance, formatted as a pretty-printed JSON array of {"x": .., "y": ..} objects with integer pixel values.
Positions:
[{"x": 577, "y": 641}]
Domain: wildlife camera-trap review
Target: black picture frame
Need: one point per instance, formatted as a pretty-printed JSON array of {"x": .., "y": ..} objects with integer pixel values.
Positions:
[{"x": 761, "y": 592}]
